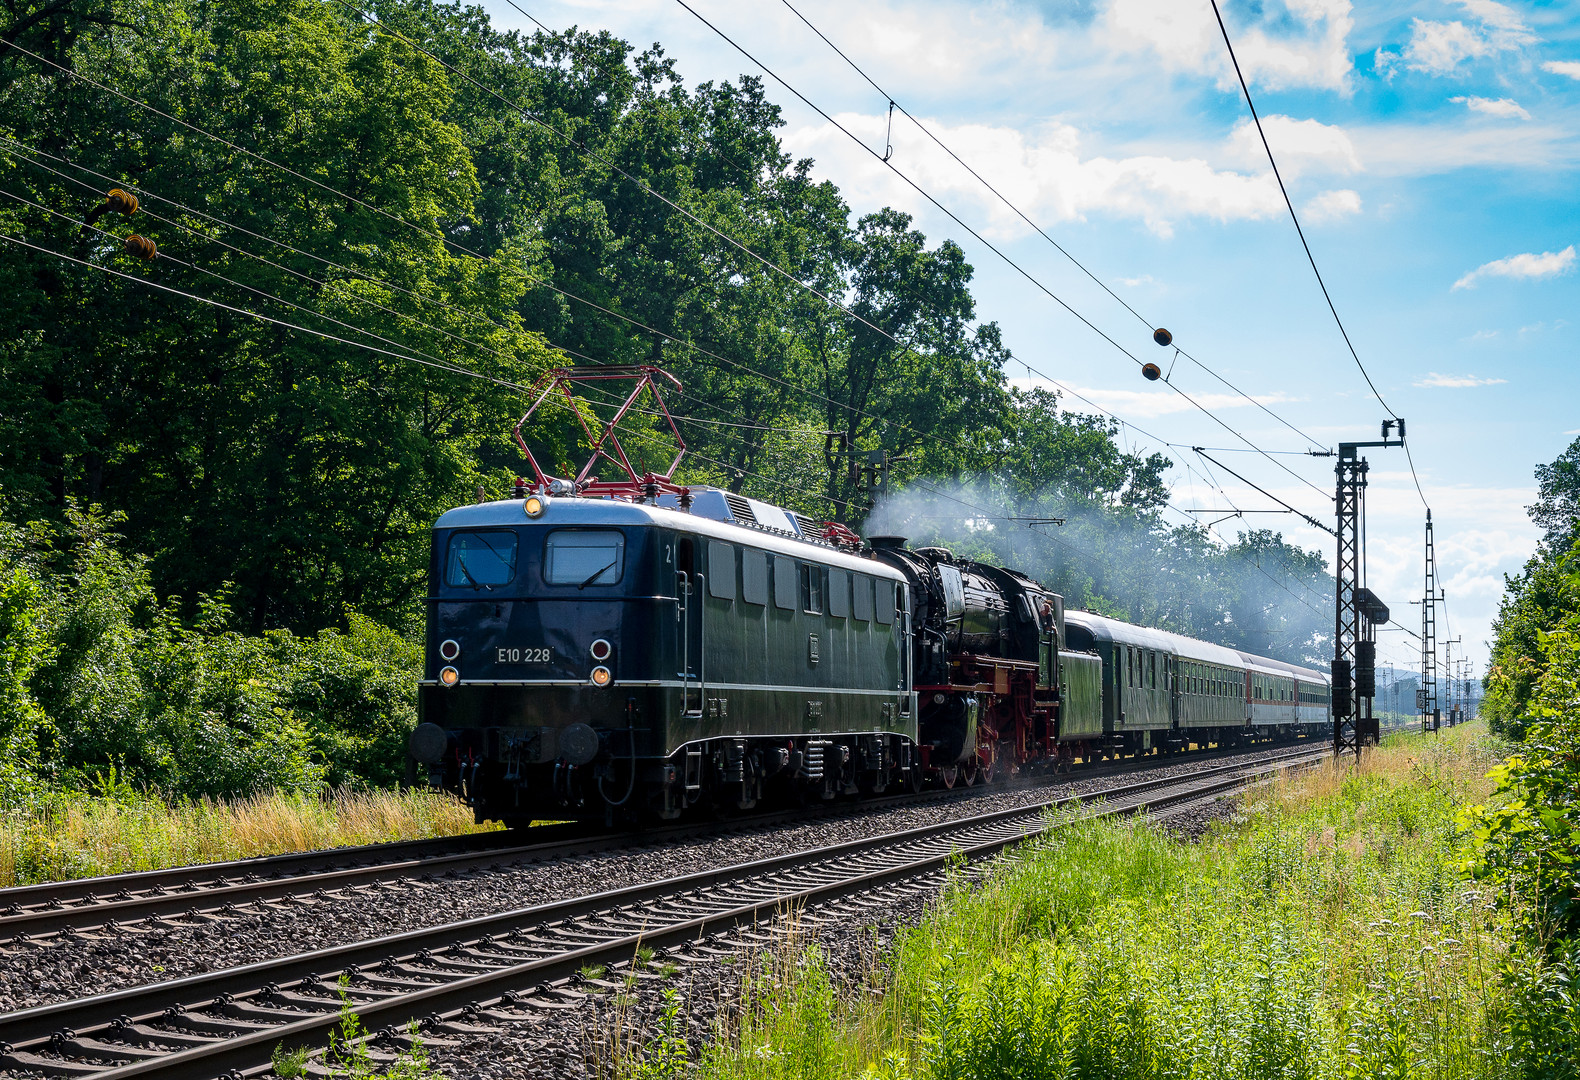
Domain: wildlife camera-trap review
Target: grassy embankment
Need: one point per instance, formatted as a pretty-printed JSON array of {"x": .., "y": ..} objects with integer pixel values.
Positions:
[
  {"x": 1329, "y": 932},
  {"x": 72, "y": 835}
]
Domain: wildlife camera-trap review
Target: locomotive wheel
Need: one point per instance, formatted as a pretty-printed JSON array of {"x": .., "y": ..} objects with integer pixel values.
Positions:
[
  {"x": 972, "y": 774},
  {"x": 947, "y": 778}
]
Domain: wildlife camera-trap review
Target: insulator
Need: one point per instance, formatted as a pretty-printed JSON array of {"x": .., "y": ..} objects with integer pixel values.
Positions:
[
  {"x": 140, "y": 247},
  {"x": 1162, "y": 336},
  {"x": 1151, "y": 372},
  {"x": 117, "y": 201},
  {"x": 122, "y": 202}
]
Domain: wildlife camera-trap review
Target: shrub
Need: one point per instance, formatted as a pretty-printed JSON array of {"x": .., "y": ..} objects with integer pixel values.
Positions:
[{"x": 98, "y": 675}]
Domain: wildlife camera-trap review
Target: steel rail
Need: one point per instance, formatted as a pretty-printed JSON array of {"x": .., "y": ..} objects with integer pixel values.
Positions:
[
  {"x": 215, "y": 889},
  {"x": 404, "y": 976}
]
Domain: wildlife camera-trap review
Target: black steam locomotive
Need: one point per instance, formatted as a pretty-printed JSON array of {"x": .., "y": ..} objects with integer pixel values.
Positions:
[{"x": 639, "y": 649}]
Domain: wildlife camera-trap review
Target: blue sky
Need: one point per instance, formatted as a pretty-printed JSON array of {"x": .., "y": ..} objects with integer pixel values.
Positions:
[{"x": 1431, "y": 149}]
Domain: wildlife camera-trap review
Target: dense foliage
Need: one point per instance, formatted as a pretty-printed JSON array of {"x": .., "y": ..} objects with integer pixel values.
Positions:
[
  {"x": 101, "y": 684},
  {"x": 409, "y": 202},
  {"x": 1528, "y": 833}
]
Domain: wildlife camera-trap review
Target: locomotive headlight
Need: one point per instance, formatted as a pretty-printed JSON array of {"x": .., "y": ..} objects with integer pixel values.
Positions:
[
  {"x": 601, "y": 650},
  {"x": 449, "y": 676},
  {"x": 449, "y": 649},
  {"x": 601, "y": 676},
  {"x": 535, "y": 505}
]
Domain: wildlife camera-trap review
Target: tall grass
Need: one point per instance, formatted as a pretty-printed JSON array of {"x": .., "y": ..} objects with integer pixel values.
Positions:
[
  {"x": 1328, "y": 933},
  {"x": 63, "y": 836}
]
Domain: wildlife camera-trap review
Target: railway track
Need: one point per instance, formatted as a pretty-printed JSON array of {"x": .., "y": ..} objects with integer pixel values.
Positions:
[
  {"x": 215, "y": 890},
  {"x": 508, "y": 967}
]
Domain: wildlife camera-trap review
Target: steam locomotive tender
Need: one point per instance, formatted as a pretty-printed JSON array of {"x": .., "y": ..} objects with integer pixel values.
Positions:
[{"x": 636, "y": 657}]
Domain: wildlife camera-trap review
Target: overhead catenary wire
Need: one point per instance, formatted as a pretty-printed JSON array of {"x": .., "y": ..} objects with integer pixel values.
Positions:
[
  {"x": 465, "y": 372},
  {"x": 459, "y": 247},
  {"x": 981, "y": 239},
  {"x": 1038, "y": 229},
  {"x": 1294, "y": 217}
]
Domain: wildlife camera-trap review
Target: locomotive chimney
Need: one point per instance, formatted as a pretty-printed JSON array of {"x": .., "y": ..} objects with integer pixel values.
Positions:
[{"x": 887, "y": 543}]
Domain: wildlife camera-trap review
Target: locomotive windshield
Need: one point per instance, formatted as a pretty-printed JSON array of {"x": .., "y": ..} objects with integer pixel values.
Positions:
[
  {"x": 481, "y": 559},
  {"x": 584, "y": 557}
]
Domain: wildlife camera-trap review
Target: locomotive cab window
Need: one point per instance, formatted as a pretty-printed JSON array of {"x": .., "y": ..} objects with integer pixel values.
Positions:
[
  {"x": 583, "y": 557},
  {"x": 481, "y": 559}
]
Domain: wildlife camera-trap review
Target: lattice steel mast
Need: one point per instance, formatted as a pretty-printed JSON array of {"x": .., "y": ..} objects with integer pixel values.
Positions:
[
  {"x": 1357, "y": 611},
  {"x": 1426, "y": 697}
]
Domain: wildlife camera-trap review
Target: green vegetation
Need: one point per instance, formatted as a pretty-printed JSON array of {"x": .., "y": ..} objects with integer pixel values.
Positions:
[
  {"x": 348, "y": 1056},
  {"x": 1328, "y": 933},
  {"x": 56, "y": 835},
  {"x": 213, "y": 528}
]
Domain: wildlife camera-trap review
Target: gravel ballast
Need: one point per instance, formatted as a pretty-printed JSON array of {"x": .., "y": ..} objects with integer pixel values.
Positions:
[{"x": 37, "y": 973}]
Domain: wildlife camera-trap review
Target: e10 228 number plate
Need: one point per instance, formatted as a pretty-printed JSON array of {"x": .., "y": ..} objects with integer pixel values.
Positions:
[{"x": 522, "y": 656}]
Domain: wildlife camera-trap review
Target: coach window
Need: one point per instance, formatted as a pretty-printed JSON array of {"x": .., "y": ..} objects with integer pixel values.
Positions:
[
  {"x": 861, "y": 606},
  {"x": 784, "y": 583},
  {"x": 754, "y": 577},
  {"x": 839, "y": 593},
  {"x": 1152, "y": 669},
  {"x": 811, "y": 589},
  {"x": 721, "y": 570},
  {"x": 885, "y": 607}
]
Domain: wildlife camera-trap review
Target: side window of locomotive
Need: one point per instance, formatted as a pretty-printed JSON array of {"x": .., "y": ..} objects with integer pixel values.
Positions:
[
  {"x": 861, "y": 606},
  {"x": 754, "y": 577},
  {"x": 885, "y": 609},
  {"x": 839, "y": 593},
  {"x": 721, "y": 570},
  {"x": 811, "y": 588},
  {"x": 785, "y": 584},
  {"x": 583, "y": 557},
  {"x": 481, "y": 559}
]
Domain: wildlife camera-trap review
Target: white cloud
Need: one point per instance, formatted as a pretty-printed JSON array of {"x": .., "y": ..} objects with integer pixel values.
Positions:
[
  {"x": 1291, "y": 43},
  {"x": 1525, "y": 265},
  {"x": 1480, "y": 335},
  {"x": 1576, "y": 431},
  {"x": 1332, "y": 205},
  {"x": 1570, "y": 68},
  {"x": 1045, "y": 174},
  {"x": 1297, "y": 144},
  {"x": 1503, "y": 108},
  {"x": 1133, "y": 282},
  {"x": 1457, "y": 381},
  {"x": 1437, "y": 48}
]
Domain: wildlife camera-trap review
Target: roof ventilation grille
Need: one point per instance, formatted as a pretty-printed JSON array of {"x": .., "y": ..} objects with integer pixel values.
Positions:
[{"x": 740, "y": 509}]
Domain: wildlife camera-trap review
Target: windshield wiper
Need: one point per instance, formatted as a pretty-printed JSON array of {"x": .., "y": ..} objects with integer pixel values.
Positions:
[
  {"x": 460, "y": 565},
  {"x": 599, "y": 574}
]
